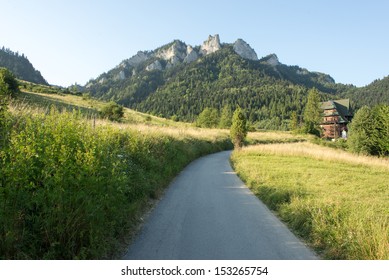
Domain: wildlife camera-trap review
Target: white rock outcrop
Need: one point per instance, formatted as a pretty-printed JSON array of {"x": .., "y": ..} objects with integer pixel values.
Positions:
[
  {"x": 175, "y": 53},
  {"x": 244, "y": 50},
  {"x": 121, "y": 75},
  {"x": 138, "y": 58},
  {"x": 156, "y": 65},
  {"x": 211, "y": 45},
  {"x": 303, "y": 71},
  {"x": 191, "y": 55},
  {"x": 273, "y": 60}
]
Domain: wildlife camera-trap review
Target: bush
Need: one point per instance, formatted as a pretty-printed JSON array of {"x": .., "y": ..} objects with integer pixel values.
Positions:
[
  {"x": 8, "y": 84},
  {"x": 8, "y": 88},
  {"x": 113, "y": 112}
]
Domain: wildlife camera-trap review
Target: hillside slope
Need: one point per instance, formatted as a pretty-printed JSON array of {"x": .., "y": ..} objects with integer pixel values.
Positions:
[
  {"x": 75, "y": 188},
  {"x": 375, "y": 93},
  {"x": 20, "y": 66}
]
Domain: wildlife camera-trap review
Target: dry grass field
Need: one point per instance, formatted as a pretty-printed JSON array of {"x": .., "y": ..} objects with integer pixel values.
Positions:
[{"x": 337, "y": 201}]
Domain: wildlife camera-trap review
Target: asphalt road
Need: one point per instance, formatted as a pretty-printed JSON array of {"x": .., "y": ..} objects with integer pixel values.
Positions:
[{"x": 208, "y": 213}]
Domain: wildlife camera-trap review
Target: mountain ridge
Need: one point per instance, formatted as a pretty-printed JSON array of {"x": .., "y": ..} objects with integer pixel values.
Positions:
[
  {"x": 20, "y": 66},
  {"x": 178, "y": 80},
  {"x": 157, "y": 81}
]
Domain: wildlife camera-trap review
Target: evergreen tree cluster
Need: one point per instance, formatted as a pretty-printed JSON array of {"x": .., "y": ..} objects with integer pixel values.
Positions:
[
  {"x": 20, "y": 66},
  {"x": 371, "y": 95}
]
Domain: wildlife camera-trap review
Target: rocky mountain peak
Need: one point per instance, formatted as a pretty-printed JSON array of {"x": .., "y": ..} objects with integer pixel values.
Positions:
[
  {"x": 211, "y": 45},
  {"x": 272, "y": 59},
  {"x": 176, "y": 51},
  {"x": 244, "y": 50}
]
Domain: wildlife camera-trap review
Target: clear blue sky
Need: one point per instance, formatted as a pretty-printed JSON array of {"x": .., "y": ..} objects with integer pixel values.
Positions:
[{"x": 74, "y": 40}]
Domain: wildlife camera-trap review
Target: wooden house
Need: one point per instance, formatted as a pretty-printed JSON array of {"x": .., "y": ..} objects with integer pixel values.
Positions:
[{"x": 336, "y": 115}]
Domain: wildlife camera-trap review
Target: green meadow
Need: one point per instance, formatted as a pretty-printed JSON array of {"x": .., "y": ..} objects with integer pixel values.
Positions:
[{"x": 336, "y": 201}]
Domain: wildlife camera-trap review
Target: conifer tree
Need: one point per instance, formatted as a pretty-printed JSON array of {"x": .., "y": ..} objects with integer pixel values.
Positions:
[
  {"x": 293, "y": 121},
  {"x": 312, "y": 113},
  {"x": 359, "y": 131},
  {"x": 225, "y": 117},
  {"x": 238, "y": 130}
]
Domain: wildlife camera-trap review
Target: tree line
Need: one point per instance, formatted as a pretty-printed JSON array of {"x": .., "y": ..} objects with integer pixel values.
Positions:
[{"x": 20, "y": 66}]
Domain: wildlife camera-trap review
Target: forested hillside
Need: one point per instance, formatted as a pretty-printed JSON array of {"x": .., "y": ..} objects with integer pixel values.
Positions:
[
  {"x": 267, "y": 90},
  {"x": 373, "y": 94},
  {"x": 20, "y": 66}
]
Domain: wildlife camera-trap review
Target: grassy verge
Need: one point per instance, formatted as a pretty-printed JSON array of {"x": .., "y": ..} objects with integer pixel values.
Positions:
[
  {"x": 70, "y": 189},
  {"x": 337, "y": 201},
  {"x": 272, "y": 137}
]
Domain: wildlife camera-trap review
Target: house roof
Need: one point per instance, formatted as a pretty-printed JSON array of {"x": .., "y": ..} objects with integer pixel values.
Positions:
[{"x": 339, "y": 108}]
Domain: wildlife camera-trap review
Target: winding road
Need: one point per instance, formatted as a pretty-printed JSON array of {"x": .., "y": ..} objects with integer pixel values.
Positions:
[{"x": 208, "y": 213}]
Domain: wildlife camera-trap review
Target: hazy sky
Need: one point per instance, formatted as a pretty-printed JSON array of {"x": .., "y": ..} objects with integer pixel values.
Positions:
[{"x": 74, "y": 40}]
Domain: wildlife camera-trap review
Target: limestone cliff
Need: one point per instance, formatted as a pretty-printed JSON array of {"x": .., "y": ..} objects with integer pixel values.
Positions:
[
  {"x": 211, "y": 45},
  {"x": 244, "y": 50},
  {"x": 273, "y": 60}
]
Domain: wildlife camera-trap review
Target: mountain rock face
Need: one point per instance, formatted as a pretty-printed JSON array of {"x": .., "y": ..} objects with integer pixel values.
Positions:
[
  {"x": 174, "y": 54},
  {"x": 121, "y": 75},
  {"x": 191, "y": 55},
  {"x": 272, "y": 60},
  {"x": 244, "y": 50},
  {"x": 156, "y": 65},
  {"x": 211, "y": 45},
  {"x": 178, "y": 52},
  {"x": 137, "y": 59}
]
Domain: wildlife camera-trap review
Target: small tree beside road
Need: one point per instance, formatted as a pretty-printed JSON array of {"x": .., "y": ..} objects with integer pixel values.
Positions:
[{"x": 238, "y": 130}]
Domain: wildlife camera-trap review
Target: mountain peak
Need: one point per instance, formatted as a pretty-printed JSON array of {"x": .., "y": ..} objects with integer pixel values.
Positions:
[
  {"x": 211, "y": 45},
  {"x": 244, "y": 50},
  {"x": 272, "y": 59},
  {"x": 176, "y": 50}
]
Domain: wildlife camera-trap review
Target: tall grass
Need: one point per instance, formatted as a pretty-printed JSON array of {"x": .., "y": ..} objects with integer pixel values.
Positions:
[
  {"x": 271, "y": 137},
  {"x": 73, "y": 190},
  {"x": 337, "y": 201}
]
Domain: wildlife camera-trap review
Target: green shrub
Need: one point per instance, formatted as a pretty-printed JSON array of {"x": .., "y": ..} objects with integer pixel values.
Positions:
[
  {"x": 8, "y": 84},
  {"x": 113, "y": 112}
]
